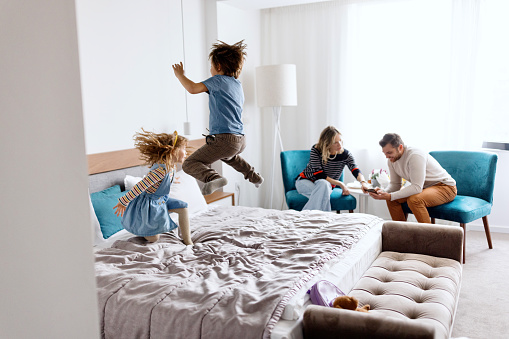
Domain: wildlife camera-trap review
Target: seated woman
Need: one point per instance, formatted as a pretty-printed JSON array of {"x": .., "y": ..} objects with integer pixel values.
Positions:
[{"x": 321, "y": 175}]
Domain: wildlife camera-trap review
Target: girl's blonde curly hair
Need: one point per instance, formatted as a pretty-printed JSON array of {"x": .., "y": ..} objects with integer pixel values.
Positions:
[{"x": 159, "y": 148}]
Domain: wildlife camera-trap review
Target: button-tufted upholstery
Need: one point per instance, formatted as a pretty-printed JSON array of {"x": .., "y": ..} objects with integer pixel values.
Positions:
[
  {"x": 412, "y": 286},
  {"x": 413, "y": 293}
]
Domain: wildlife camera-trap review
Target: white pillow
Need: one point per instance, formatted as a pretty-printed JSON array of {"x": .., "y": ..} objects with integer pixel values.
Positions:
[
  {"x": 184, "y": 187},
  {"x": 130, "y": 181},
  {"x": 96, "y": 228}
]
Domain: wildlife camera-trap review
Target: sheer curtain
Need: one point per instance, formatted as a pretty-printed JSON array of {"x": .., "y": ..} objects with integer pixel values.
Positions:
[{"x": 376, "y": 66}]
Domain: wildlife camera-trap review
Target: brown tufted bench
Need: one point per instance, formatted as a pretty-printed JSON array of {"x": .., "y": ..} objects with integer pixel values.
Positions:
[{"x": 412, "y": 287}]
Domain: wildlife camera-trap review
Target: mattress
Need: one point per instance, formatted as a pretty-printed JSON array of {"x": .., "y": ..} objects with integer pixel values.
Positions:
[{"x": 343, "y": 271}]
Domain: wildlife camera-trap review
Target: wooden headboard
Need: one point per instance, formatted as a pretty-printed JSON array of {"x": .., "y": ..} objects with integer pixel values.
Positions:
[{"x": 110, "y": 161}]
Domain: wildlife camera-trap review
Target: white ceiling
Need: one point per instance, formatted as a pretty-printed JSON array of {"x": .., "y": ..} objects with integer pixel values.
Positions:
[{"x": 260, "y": 4}]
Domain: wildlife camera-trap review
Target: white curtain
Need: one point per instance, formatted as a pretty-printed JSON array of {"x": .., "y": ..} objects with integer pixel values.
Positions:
[{"x": 370, "y": 67}]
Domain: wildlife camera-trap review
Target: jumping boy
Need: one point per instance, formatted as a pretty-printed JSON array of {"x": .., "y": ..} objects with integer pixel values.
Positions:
[{"x": 226, "y": 138}]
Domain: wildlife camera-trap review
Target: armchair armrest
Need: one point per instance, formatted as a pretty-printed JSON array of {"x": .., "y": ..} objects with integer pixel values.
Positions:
[
  {"x": 327, "y": 322},
  {"x": 428, "y": 239}
]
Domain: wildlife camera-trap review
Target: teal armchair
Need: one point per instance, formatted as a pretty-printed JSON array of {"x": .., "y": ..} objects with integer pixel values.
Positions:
[
  {"x": 474, "y": 173},
  {"x": 292, "y": 164}
]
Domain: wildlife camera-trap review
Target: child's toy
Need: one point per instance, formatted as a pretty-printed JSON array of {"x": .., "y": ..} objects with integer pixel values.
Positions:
[
  {"x": 349, "y": 303},
  {"x": 323, "y": 293}
]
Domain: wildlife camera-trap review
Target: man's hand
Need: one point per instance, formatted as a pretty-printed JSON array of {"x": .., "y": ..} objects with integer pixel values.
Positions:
[{"x": 380, "y": 194}]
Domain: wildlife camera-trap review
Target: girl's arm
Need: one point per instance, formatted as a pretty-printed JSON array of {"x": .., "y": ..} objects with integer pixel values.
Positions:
[
  {"x": 119, "y": 209},
  {"x": 190, "y": 86},
  {"x": 152, "y": 179}
]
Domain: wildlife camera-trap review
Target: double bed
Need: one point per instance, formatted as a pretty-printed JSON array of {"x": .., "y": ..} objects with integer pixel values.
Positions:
[{"x": 246, "y": 275}]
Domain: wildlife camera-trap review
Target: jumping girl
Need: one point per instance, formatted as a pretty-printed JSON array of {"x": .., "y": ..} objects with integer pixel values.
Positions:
[{"x": 145, "y": 209}]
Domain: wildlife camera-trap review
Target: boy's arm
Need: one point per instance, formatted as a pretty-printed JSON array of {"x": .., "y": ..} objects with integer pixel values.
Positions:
[{"x": 190, "y": 86}]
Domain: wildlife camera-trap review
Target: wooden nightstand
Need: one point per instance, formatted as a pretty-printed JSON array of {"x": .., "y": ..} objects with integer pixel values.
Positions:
[{"x": 220, "y": 198}]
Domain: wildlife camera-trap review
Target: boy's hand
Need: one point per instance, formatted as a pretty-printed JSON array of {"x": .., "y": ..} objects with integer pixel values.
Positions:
[
  {"x": 178, "y": 69},
  {"x": 190, "y": 86}
]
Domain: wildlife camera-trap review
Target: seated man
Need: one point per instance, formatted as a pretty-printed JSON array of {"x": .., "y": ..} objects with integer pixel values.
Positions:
[{"x": 431, "y": 185}]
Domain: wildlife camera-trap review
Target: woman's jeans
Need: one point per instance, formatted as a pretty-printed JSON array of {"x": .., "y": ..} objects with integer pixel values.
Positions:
[{"x": 317, "y": 192}]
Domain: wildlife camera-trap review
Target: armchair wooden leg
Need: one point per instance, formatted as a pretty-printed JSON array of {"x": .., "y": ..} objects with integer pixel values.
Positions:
[
  {"x": 351, "y": 211},
  {"x": 432, "y": 220},
  {"x": 487, "y": 231},
  {"x": 464, "y": 239}
]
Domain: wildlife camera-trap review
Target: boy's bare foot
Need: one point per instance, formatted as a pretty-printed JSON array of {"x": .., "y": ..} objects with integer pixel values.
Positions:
[{"x": 213, "y": 185}]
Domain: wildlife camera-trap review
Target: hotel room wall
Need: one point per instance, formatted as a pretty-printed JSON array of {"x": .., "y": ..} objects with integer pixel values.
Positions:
[
  {"x": 48, "y": 284},
  {"x": 126, "y": 52},
  {"x": 233, "y": 25}
]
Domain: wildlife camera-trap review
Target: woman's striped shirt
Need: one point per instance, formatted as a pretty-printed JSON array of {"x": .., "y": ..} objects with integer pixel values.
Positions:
[
  {"x": 333, "y": 168},
  {"x": 150, "y": 183}
]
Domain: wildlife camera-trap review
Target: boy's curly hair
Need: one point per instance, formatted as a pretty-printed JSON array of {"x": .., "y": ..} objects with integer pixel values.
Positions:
[
  {"x": 229, "y": 58},
  {"x": 159, "y": 148}
]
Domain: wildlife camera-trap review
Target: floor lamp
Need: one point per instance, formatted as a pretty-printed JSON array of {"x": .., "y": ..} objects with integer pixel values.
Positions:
[{"x": 276, "y": 86}]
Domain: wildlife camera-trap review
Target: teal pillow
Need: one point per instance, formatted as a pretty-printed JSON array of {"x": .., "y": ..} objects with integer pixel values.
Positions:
[
  {"x": 108, "y": 191},
  {"x": 103, "y": 203}
]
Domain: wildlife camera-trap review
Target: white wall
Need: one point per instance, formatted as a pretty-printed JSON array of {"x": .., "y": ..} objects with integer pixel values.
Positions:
[
  {"x": 233, "y": 25},
  {"x": 126, "y": 51},
  {"x": 47, "y": 285}
]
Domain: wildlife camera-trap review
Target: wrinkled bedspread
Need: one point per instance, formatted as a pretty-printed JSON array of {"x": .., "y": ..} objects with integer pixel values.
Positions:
[{"x": 233, "y": 283}]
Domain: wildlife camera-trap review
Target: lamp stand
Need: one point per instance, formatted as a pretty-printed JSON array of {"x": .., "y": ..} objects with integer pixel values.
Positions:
[{"x": 277, "y": 133}]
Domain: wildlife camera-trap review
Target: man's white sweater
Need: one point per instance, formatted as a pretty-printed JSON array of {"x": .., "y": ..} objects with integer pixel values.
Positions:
[{"x": 420, "y": 169}]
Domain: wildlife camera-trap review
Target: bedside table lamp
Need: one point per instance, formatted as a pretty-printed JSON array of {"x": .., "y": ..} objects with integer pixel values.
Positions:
[{"x": 276, "y": 86}]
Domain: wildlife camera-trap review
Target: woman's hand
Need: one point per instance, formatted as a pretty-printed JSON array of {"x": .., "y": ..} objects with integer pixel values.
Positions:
[
  {"x": 364, "y": 187},
  {"x": 345, "y": 190},
  {"x": 119, "y": 210}
]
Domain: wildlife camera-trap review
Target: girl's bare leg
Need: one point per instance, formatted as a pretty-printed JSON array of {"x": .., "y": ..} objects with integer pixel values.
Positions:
[{"x": 184, "y": 229}]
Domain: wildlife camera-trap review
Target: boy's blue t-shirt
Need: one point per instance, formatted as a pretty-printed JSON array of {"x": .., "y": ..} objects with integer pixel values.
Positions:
[{"x": 226, "y": 99}]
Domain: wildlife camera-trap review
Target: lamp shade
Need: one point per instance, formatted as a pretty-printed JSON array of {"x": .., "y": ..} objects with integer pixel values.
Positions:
[{"x": 276, "y": 85}]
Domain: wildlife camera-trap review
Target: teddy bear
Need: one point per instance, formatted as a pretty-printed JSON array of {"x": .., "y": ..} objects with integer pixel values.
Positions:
[{"x": 349, "y": 303}]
